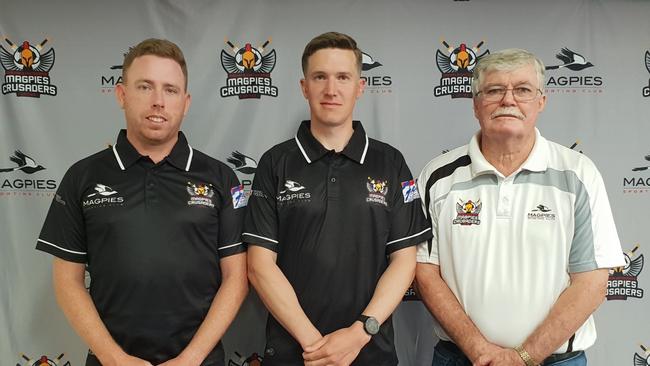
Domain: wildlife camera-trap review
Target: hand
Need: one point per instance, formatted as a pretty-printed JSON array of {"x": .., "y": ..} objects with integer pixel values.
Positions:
[
  {"x": 181, "y": 360},
  {"x": 337, "y": 348},
  {"x": 127, "y": 360},
  {"x": 502, "y": 357}
]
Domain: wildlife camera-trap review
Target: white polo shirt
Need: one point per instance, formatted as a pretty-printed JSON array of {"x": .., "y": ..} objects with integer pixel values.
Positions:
[{"x": 506, "y": 245}]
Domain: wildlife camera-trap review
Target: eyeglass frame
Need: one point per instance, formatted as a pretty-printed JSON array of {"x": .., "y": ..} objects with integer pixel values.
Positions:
[{"x": 538, "y": 93}]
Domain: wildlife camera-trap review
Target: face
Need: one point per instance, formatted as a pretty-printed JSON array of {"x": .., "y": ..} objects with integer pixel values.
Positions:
[
  {"x": 507, "y": 117},
  {"x": 332, "y": 85},
  {"x": 154, "y": 100}
]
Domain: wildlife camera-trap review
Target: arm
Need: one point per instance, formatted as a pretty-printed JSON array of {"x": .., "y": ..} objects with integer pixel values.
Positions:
[
  {"x": 226, "y": 303},
  {"x": 342, "y": 346},
  {"x": 444, "y": 306},
  {"x": 278, "y": 296},
  {"x": 576, "y": 303},
  {"x": 79, "y": 309}
]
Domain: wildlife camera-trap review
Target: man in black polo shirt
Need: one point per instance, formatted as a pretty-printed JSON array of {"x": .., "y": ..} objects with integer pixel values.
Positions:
[
  {"x": 332, "y": 224},
  {"x": 158, "y": 224}
]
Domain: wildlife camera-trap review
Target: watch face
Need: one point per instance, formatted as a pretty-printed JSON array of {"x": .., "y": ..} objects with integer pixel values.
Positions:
[{"x": 371, "y": 325}]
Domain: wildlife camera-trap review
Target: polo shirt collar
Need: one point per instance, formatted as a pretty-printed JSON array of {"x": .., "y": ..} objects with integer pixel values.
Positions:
[
  {"x": 313, "y": 150},
  {"x": 537, "y": 160},
  {"x": 126, "y": 155}
]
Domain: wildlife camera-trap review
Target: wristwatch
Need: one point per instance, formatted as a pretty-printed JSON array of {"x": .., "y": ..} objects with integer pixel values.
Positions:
[
  {"x": 370, "y": 324},
  {"x": 525, "y": 356}
]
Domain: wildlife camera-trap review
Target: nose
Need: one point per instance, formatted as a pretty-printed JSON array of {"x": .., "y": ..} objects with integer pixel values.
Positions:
[
  {"x": 330, "y": 87},
  {"x": 158, "y": 98},
  {"x": 509, "y": 98}
]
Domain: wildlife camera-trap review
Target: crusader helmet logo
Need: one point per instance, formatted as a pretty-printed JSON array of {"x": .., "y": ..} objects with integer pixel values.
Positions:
[
  {"x": 26, "y": 57},
  {"x": 458, "y": 59}
]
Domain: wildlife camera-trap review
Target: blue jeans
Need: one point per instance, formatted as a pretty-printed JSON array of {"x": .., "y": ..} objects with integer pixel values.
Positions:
[{"x": 448, "y": 354}]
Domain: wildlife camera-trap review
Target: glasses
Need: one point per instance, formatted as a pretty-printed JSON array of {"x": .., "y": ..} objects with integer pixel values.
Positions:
[{"x": 520, "y": 94}]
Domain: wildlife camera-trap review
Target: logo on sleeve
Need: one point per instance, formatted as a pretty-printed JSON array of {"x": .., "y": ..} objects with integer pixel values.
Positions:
[
  {"x": 623, "y": 281},
  {"x": 410, "y": 191},
  {"x": 44, "y": 361},
  {"x": 541, "y": 212},
  {"x": 467, "y": 213},
  {"x": 27, "y": 69},
  {"x": 239, "y": 198},
  {"x": 200, "y": 194},
  {"x": 104, "y": 196},
  {"x": 377, "y": 189}
]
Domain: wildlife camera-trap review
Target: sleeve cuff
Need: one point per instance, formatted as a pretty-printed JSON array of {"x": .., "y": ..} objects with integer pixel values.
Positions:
[
  {"x": 60, "y": 252},
  {"x": 408, "y": 241},
  {"x": 260, "y": 241}
]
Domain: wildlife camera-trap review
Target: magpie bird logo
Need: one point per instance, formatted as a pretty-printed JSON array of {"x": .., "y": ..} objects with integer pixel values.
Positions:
[
  {"x": 642, "y": 360},
  {"x": 642, "y": 168},
  {"x": 646, "y": 90},
  {"x": 541, "y": 208},
  {"x": 292, "y": 186},
  {"x": 27, "y": 68},
  {"x": 242, "y": 163},
  {"x": 249, "y": 71},
  {"x": 368, "y": 63},
  {"x": 632, "y": 267},
  {"x": 623, "y": 281},
  {"x": 102, "y": 190},
  {"x": 44, "y": 361},
  {"x": 24, "y": 163},
  {"x": 572, "y": 61}
]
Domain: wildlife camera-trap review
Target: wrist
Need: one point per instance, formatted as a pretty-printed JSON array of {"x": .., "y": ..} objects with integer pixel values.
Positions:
[{"x": 360, "y": 332}]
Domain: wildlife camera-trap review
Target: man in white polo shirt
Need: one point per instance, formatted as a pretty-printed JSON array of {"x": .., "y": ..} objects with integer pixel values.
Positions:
[{"x": 523, "y": 232}]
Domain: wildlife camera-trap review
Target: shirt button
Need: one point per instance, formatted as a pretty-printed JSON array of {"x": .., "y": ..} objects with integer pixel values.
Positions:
[{"x": 333, "y": 180}]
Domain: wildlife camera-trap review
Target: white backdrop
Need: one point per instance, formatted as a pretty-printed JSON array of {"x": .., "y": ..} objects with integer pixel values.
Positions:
[{"x": 601, "y": 110}]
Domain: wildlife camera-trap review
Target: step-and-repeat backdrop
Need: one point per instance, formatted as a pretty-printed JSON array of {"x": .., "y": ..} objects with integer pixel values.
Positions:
[{"x": 417, "y": 99}]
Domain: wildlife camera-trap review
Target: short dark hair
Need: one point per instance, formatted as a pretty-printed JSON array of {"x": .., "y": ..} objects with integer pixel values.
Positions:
[
  {"x": 330, "y": 40},
  {"x": 156, "y": 47}
]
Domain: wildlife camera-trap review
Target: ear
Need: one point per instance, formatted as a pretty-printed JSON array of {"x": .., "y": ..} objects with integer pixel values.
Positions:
[
  {"x": 362, "y": 87},
  {"x": 542, "y": 103},
  {"x": 188, "y": 101},
  {"x": 303, "y": 87},
  {"x": 120, "y": 94}
]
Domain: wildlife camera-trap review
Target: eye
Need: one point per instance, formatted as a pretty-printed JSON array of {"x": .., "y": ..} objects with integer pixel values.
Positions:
[
  {"x": 524, "y": 91},
  {"x": 171, "y": 91},
  {"x": 319, "y": 77},
  {"x": 494, "y": 91},
  {"x": 344, "y": 77},
  {"x": 143, "y": 87}
]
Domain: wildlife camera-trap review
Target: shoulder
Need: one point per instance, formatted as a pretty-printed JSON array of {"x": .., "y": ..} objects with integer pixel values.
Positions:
[{"x": 446, "y": 164}]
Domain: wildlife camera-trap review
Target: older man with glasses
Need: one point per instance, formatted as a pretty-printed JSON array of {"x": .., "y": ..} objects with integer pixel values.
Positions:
[{"x": 523, "y": 232}]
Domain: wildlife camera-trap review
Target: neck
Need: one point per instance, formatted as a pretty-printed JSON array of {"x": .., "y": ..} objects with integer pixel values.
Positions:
[
  {"x": 332, "y": 137},
  {"x": 155, "y": 152},
  {"x": 506, "y": 155}
]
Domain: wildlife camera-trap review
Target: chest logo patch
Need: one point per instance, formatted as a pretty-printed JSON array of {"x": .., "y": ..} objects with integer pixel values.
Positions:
[
  {"x": 377, "y": 189},
  {"x": 200, "y": 194},
  {"x": 102, "y": 196},
  {"x": 294, "y": 192},
  {"x": 467, "y": 213},
  {"x": 541, "y": 212}
]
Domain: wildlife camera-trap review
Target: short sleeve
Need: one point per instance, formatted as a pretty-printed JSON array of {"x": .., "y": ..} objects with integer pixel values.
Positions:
[
  {"x": 231, "y": 216},
  {"x": 63, "y": 234},
  {"x": 408, "y": 225},
  {"x": 427, "y": 251},
  {"x": 261, "y": 223}
]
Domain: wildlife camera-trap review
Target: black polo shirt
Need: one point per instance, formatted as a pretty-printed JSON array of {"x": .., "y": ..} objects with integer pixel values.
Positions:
[
  {"x": 152, "y": 236},
  {"x": 333, "y": 218}
]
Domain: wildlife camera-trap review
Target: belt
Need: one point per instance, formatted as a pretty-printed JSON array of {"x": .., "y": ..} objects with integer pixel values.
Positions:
[{"x": 556, "y": 357}]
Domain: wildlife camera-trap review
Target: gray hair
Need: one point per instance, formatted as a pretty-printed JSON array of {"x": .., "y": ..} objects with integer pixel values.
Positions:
[{"x": 509, "y": 59}]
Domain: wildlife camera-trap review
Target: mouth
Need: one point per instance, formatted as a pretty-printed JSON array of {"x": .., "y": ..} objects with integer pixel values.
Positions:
[{"x": 156, "y": 119}]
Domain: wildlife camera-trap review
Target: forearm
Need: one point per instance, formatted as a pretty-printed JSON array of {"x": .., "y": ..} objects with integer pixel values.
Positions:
[
  {"x": 444, "y": 306},
  {"x": 392, "y": 285},
  {"x": 79, "y": 309},
  {"x": 279, "y": 297},
  {"x": 574, "y": 306},
  {"x": 222, "y": 312}
]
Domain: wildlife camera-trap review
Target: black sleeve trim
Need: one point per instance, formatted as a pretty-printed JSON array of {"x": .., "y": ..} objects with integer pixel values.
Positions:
[{"x": 57, "y": 251}]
